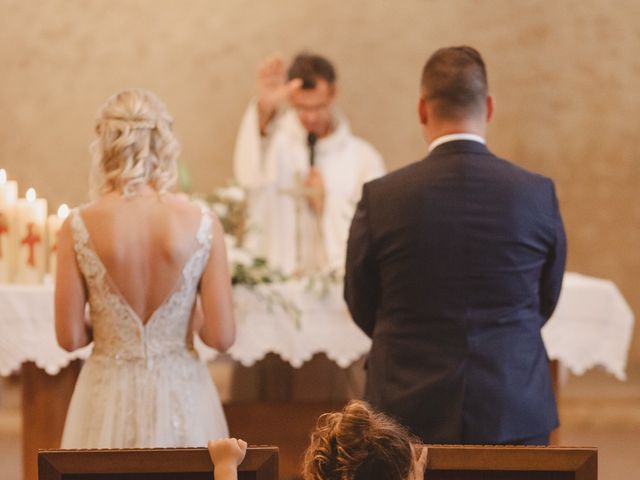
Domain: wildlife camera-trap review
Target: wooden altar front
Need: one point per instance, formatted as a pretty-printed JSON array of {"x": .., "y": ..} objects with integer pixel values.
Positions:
[{"x": 45, "y": 399}]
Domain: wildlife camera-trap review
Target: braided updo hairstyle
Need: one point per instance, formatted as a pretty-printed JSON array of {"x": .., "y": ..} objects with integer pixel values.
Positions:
[
  {"x": 135, "y": 144},
  {"x": 358, "y": 444}
]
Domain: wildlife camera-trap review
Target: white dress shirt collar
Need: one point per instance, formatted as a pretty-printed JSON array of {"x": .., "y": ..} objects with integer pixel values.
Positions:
[{"x": 455, "y": 136}]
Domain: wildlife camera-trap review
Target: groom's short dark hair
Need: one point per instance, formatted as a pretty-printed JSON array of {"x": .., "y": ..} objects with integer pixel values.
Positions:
[{"x": 454, "y": 80}]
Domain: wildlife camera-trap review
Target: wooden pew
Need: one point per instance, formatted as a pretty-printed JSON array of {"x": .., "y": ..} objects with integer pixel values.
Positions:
[
  {"x": 260, "y": 463},
  {"x": 463, "y": 462},
  {"x": 445, "y": 462}
]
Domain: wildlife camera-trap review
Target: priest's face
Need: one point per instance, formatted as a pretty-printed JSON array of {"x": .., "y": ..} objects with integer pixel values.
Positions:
[{"x": 313, "y": 106}]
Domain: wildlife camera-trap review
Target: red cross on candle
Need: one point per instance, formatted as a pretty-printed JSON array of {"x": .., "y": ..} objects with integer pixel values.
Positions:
[
  {"x": 54, "y": 247},
  {"x": 31, "y": 240},
  {"x": 4, "y": 229}
]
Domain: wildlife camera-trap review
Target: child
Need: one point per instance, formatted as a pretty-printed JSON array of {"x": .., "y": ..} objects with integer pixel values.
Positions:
[{"x": 354, "y": 444}]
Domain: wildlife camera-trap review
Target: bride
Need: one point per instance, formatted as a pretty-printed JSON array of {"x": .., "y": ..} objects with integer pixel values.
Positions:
[{"x": 152, "y": 267}]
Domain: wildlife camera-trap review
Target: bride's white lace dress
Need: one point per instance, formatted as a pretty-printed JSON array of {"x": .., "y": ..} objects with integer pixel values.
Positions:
[{"x": 144, "y": 385}]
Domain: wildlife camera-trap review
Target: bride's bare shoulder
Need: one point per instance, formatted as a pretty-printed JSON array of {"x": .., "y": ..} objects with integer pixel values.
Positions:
[
  {"x": 91, "y": 208},
  {"x": 182, "y": 203},
  {"x": 177, "y": 206}
]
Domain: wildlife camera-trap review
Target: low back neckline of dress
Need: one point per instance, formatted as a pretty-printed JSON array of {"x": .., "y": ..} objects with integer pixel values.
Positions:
[{"x": 177, "y": 286}]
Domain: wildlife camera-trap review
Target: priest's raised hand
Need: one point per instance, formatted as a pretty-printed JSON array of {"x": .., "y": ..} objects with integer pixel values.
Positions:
[{"x": 273, "y": 88}]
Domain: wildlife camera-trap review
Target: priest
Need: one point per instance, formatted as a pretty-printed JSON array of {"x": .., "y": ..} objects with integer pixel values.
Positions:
[{"x": 302, "y": 166}]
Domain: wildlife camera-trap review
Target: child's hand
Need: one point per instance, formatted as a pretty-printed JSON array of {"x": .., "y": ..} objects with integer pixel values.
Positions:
[
  {"x": 419, "y": 462},
  {"x": 228, "y": 451}
]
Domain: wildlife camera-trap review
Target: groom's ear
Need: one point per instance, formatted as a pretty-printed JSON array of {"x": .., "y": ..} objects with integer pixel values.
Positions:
[
  {"x": 489, "y": 108},
  {"x": 422, "y": 111}
]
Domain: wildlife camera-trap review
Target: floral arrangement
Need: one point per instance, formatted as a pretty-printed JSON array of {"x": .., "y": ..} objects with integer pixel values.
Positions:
[
  {"x": 230, "y": 205},
  {"x": 248, "y": 270}
]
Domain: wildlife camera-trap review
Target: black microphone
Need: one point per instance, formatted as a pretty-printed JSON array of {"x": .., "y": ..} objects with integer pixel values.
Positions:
[{"x": 311, "y": 142}]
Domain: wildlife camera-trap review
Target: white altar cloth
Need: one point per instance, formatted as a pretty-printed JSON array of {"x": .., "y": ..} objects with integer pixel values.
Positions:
[
  {"x": 591, "y": 327},
  {"x": 27, "y": 330}
]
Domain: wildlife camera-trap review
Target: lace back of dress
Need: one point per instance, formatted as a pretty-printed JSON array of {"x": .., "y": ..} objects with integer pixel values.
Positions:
[{"x": 117, "y": 329}]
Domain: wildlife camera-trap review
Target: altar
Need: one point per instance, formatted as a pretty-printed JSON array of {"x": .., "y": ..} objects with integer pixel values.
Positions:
[{"x": 591, "y": 327}]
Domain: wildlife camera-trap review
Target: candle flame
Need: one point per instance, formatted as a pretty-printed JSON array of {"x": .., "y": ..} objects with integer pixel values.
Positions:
[
  {"x": 31, "y": 194},
  {"x": 3, "y": 175},
  {"x": 63, "y": 211}
]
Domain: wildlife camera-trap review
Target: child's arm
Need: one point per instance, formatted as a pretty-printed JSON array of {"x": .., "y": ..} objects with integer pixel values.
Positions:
[
  {"x": 226, "y": 455},
  {"x": 420, "y": 458}
]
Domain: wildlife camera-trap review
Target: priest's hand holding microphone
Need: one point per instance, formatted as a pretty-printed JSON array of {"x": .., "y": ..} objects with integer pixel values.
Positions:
[{"x": 314, "y": 184}]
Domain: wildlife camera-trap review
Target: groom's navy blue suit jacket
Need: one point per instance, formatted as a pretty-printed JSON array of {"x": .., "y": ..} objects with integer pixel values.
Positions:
[{"x": 454, "y": 264}]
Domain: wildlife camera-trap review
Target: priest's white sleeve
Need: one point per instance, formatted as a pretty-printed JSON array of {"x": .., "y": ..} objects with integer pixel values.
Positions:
[
  {"x": 373, "y": 167},
  {"x": 251, "y": 164},
  {"x": 339, "y": 209},
  {"x": 254, "y": 172}
]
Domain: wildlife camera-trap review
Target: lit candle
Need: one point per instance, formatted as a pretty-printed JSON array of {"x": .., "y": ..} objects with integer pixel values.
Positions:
[
  {"x": 54, "y": 222},
  {"x": 8, "y": 197},
  {"x": 31, "y": 216}
]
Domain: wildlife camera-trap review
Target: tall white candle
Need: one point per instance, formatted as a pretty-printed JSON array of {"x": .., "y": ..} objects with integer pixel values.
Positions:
[
  {"x": 8, "y": 197},
  {"x": 31, "y": 215},
  {"x": 54, "y": 222}
]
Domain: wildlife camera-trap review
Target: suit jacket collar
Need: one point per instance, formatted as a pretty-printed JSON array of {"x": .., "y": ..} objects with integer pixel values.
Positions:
[{"x": 459, "y": 146}]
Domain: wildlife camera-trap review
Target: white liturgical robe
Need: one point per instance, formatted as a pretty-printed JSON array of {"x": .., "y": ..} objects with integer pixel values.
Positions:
[{"x": 282, "y": 228}]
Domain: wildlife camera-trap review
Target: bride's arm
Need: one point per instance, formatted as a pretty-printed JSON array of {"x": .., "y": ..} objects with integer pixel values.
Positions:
[
  {"x": 197, "y": 317},
  {"x": 218, "y": 325},
  {"x": 72, "y": 329}
]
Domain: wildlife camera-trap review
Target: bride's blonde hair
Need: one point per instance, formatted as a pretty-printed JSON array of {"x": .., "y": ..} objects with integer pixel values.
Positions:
[
  {"x": 135, "y": 145},
  {"x": 358, "y": 444}
]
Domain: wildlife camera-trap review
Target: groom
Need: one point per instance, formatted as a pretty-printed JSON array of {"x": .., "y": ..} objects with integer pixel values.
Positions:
[{"x": 454, "y": 264}]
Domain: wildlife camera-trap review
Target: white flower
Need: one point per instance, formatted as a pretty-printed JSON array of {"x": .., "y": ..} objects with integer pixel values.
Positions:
[
  {"x": 238, "y": 256},
  {"x": 230, "y": 242},
  {"x": 233, "y": 194},
  {"x": 221, "y": 209}
]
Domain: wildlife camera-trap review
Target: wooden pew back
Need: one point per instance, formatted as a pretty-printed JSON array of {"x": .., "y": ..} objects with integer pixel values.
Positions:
[
  {"x": 260, "y": 463},
  {"x": 445, "y": 462},
  {"x": 462, "y": 462}
]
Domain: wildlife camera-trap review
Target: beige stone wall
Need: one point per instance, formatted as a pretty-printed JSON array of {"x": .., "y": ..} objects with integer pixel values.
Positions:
[{"x": 565, "y": 74}]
